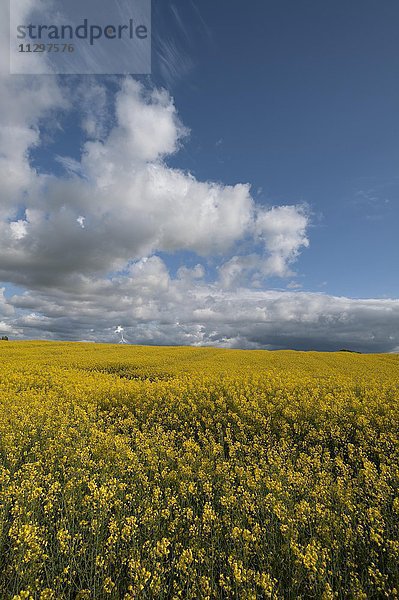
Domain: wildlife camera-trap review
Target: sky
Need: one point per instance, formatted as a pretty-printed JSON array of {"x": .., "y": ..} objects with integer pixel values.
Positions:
[{"x": 243, "y": 195}]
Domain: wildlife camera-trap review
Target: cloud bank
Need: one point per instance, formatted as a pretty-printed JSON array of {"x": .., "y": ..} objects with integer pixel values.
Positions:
[{"x": 155, "y": 308}]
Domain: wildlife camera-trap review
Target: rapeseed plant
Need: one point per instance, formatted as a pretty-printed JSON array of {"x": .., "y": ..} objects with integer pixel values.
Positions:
[{"x": 165, "y": 473}]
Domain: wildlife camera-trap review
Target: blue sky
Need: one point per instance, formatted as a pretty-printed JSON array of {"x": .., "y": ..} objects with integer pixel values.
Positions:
[
  {"x": 301, "y": 99},
  {"x": 297, "y": 99}
]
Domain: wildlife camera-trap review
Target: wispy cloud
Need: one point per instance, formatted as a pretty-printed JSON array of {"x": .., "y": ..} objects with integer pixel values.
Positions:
[
  {"x": 174, "y": 61},
  {"x": 203, "y": 25},
  {"x": 71, "y": 166},
  {"x": 375, "y": 201},
  {"x": 180, "y": 36}
]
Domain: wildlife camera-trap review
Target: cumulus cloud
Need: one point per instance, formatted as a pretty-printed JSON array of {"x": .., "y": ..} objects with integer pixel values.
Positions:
[
  {"x": 283, "y": 232},
  {"x": 24, "y": 102},
  {"x": 129, "y": 203}
]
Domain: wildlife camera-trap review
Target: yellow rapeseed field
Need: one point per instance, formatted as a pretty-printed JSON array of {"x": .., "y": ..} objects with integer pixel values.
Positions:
[{"x": 131, "y": 472}]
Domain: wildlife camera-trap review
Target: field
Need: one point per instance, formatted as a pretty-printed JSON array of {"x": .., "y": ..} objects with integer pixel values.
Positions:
[{"x": 130, "y": 472}]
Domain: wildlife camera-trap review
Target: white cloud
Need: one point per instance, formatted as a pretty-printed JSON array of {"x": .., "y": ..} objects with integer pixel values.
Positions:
[
  {"x": 134, "y": 205},
  {"x": 24, "y": 101},
  {"x": 237, "y": 270},
  {"x": 81, "y": 220},
  {"x": 6, "y": 329},
  {"x": 147, "y": 129},
  {"x": 283, "y": 231},
  {"x": 294, "y": 285},
  {"x": 18, "y": 229}
]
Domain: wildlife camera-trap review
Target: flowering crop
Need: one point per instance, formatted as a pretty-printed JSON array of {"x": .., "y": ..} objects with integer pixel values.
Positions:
[{"x": 165, "y": 473}]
